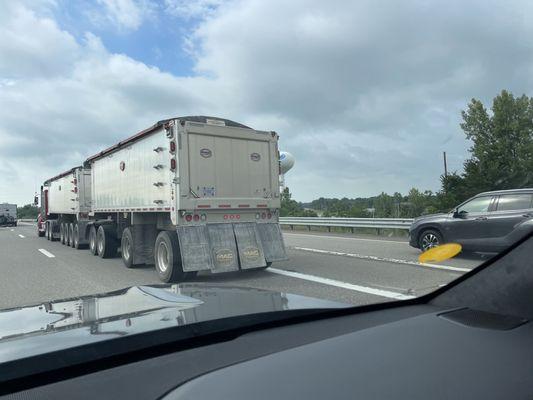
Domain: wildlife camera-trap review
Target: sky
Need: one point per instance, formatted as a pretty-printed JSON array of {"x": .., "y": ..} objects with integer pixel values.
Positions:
[{"x": 365, "y": 94}]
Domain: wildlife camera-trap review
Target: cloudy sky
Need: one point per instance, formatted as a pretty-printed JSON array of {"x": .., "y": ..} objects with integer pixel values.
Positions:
[{"x": 366, "y": 94}]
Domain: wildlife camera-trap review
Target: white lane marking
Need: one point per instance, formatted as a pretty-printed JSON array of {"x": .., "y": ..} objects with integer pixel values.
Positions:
[
  {"x": 12, "y": 230},
  {"x": 344, "y": 285},
  {"x": 383, "y": 259},
  {"x": 22, "y": 236},
  {"x": 346, "y": 238},
  {"x": 46, "y": 253}
]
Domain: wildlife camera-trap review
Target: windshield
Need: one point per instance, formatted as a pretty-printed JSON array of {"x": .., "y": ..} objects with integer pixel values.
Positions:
[{"x": 294, "y": 148}]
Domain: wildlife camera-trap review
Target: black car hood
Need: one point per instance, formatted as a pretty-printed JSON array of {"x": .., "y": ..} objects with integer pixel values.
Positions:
[{"x": 46, "y": 327}]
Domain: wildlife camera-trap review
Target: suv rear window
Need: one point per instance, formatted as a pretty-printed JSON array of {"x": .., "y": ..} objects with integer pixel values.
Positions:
[{"x": 509, "y": 202}]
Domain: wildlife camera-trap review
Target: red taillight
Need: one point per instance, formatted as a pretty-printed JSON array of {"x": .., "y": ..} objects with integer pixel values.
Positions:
[
  {"x": 196, "y": 217},
  {"x": 263, "y": 215},
  {"x": 238, "y": 216},
  {"x": 269, "y": 215},
  {"x": 172, "y": 147},
  {"x": 225, "y": 216},
  {"x": 75, "y": 181},
  {"x": 172, "y": 164},
  {"x": 231, "y": 216},
  {"x": 188, "y": 218},
  {"x": 75, "y": 190}
]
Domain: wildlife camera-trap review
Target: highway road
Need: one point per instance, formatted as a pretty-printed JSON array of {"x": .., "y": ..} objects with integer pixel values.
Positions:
[{"x": 351, "y": 269}]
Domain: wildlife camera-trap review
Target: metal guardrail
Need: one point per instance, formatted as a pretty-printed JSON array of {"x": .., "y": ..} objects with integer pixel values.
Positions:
[{"x": 377, "y": 223}]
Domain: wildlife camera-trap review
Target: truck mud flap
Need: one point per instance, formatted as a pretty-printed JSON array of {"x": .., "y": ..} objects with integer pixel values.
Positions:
[
  {"x": 272, "y": 241},
  {"x": 195, "y": 248},
  {"x": 249, "y": 246},
  {"x": 223, "y": 248}
]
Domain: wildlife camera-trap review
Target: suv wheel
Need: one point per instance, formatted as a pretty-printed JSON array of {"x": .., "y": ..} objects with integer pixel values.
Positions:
[{"x": 429, "y": 238}]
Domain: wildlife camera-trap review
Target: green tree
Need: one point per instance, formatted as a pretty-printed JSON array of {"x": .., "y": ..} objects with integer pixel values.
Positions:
[
  {"x": 29, "y": 211},
  {"x": 384, "y": 205},
  {"x": 502, "y": 151},
  {"x": 291, "y": 208}
]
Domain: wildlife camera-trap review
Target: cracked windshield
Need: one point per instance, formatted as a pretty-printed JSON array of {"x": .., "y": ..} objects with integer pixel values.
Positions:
[{"x": 256, "y": 156}]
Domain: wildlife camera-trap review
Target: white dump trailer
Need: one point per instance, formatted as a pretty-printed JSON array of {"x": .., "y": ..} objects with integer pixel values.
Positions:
[
  {"x": 187, "y": 194},
  {"x": 66, "y": 204}
]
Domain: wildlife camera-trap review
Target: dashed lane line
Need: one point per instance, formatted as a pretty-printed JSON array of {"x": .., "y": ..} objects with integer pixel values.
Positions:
[
  {"x": 382, "y": 259},
  {"x": 21, "y": 236},
  {"x": 46, "y": 253},
  {"x": 344, "y": 285}
]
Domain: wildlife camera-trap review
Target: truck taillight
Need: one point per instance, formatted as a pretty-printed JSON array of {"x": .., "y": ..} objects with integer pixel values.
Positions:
[
  {"x": 196, "y": 217},
  {"x": 269, "y": 215},
  {"x": 172, "y": 146},
  {"x": 172, "y": 164},
  {"x": 188, "y": 218},
  {"x": 263, "y": 215}
]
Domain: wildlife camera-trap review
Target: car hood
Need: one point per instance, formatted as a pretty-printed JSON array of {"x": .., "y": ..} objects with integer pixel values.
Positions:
[
  {"x": 431, "y": 217},
  {"x": 46, "y": 327}
]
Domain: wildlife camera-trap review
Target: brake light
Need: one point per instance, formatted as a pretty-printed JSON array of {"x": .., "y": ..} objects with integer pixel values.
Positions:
[
  {"x": 172, "y": 147},
  {"x": 269, "y": 215},
  {"x": 172, "y": 164},
  {"x": 188, "y": 218},
  {"x": 196, "y": 217},
  {"x": 263, "y": 215}
]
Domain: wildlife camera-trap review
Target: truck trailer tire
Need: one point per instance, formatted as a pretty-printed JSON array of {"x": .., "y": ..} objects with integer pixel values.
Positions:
[
  {"x": 71, "y": 234},
  {"x": 106, "y": 243},
  {"x": 47, "y": 230},
  {"x": 76, "y": 237},
  {"x": 167, "y": 257},
  {"x": 92, "y": 240},
  {"x": 126, "y": 248},
  {"x": 62, "y": 233}
]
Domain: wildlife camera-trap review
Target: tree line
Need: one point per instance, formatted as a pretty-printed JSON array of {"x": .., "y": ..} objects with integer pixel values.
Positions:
[{"x": 501, "y": 157}]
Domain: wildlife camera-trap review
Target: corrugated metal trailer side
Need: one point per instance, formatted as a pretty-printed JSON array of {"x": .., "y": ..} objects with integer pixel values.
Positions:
[{"x": 66, "y": 203}]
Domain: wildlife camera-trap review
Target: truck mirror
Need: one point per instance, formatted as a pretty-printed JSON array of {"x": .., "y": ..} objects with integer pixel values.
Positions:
[{"x": 36, "y": 201}]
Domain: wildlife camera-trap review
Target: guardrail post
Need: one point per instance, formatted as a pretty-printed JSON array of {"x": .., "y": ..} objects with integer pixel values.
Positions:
[
  {"x": 378, "y": 231},
  {"x": 329, "y": 228},
  {"x": 353, "y": 230},
  {"x": 309, "y": 228},
  {"x": 292, "y": 227}
]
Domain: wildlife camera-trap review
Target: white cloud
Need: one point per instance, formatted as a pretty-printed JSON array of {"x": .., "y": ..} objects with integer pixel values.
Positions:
[
  {"x": 124, "y": 14},
  {"x": 192, "y": 8}
]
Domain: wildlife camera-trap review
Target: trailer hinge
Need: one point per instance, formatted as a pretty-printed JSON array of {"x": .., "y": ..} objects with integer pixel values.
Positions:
[
  {"x": 158, "y": 184},
  {"x": 158, "y": 166},
  {"x": 158, "y": 149},
  {"x": 176, "y": 180}
]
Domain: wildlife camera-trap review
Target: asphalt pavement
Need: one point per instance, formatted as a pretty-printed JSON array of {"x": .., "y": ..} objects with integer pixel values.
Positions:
[{"x": 346, "y": 268}]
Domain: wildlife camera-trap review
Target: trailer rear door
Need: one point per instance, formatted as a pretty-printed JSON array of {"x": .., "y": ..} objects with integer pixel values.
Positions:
[{"x": 231, "y": 163}]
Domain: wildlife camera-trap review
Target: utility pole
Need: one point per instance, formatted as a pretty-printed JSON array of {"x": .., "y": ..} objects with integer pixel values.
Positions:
[{"x": 445, "y": 164}]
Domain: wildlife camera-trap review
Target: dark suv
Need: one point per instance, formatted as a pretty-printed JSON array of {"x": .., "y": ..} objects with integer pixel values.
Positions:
[{"x": 490, "y": 222}]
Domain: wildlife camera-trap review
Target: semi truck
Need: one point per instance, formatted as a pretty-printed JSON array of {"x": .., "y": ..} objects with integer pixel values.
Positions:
[
  {"x": 8, "y": 214},
  {"x": 187, "y": 194}
]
